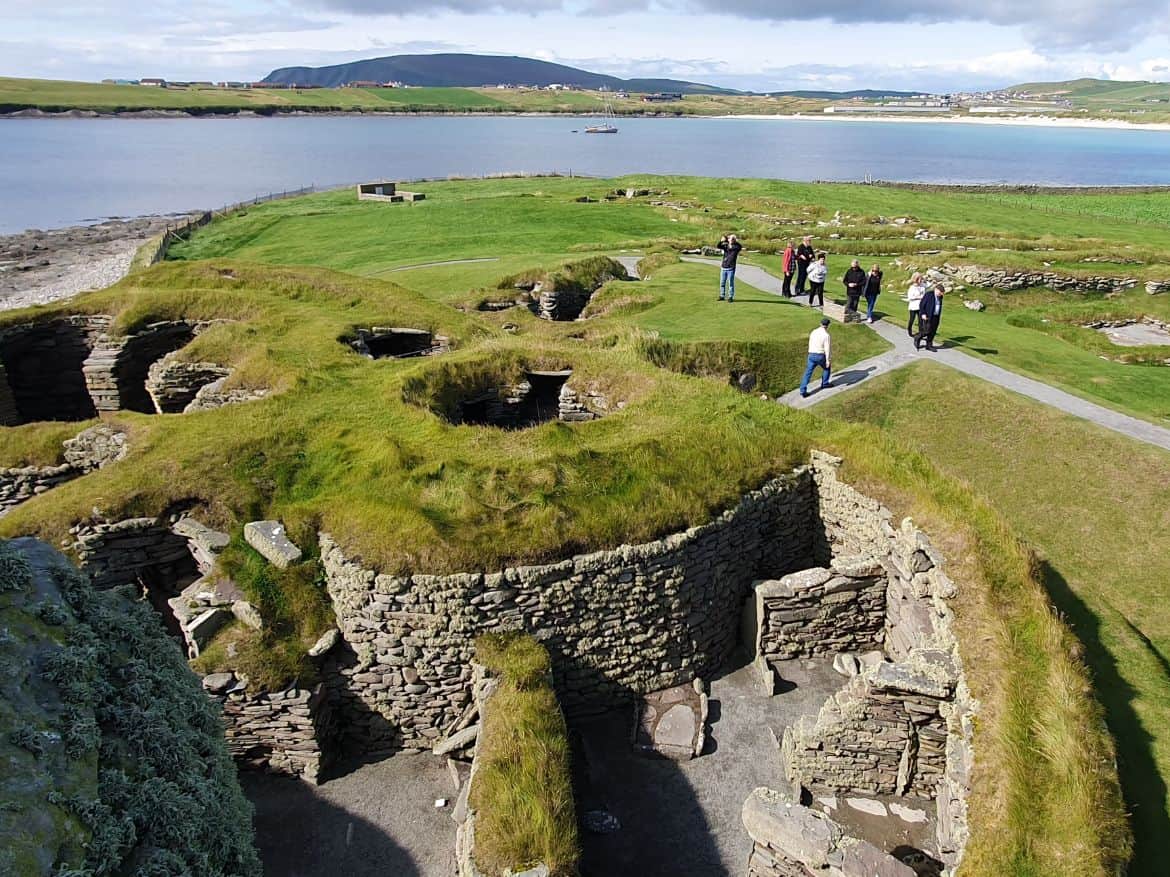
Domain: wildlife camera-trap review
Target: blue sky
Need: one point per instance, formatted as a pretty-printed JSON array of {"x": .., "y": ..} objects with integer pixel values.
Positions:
[{"x": 938, "y": 45}]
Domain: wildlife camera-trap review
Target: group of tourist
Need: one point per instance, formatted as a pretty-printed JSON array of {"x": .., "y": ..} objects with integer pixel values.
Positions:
[{"x": 809, "y": 267}]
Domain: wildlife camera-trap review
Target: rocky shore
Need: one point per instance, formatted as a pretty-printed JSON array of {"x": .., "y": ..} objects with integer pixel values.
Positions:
[{"x": 38, "y": 267}]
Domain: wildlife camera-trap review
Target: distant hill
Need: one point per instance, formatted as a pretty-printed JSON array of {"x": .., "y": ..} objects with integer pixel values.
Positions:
[
  {"x": 843, "y": 95},
  {"x": 1096, "y": 90},
  {"x": 467, "y": 71}
]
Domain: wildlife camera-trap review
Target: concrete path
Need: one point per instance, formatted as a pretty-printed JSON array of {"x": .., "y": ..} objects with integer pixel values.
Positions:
[{"x": 905, "y": 354}]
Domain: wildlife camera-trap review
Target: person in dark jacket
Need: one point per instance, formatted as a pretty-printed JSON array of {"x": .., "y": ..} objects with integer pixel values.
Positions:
[
  {"x": 854, "y": 281},
  {"x": 929, "y": 315},
  {"x": 789, "y": 267},
  {"x": 730, "y": 246},
  {"x": 805, "y": 256},
  {"x": 873, "y": 288}
]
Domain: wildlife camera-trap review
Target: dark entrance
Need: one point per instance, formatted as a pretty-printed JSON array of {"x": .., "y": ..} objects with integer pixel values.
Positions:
[{"x": 44, "y": 370}]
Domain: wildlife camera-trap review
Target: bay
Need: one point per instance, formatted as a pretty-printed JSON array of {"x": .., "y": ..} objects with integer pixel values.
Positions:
[{"x": 56, "y": 172}]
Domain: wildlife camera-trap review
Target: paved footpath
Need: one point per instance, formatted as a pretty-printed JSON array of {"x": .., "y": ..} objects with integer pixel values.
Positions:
[{"x": 904, "y": 354}]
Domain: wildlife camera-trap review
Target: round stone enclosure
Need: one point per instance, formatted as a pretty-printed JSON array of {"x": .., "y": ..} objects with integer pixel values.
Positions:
[
  {"x": 533, "y": 400},
  {"x": 382, "y": 342},
  {"x": 1135, "y": 333}
]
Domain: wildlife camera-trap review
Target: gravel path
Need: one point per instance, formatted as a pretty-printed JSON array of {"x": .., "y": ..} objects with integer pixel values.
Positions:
[
  {"x": 904, "y": 354},
  {"x": 38, "y": 267}
]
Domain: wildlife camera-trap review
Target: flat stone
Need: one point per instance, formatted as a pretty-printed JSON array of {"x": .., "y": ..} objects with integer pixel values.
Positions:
[
  {"x": 270, "y": 539},
  {"x": 203, "y": 627},
  {"x": 218, "y": 683},
  {"x": 908, "y": 814},
  {"x": 327, "y": 641},
  {"x": 676, "y": 728},
  {"x": 846, "y": 664},
  {"x": 868, "y": 805},
  {"x": 458, "y": 740}
]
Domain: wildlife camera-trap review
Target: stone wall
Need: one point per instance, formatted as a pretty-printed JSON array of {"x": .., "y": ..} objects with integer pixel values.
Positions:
[
  {"x": 172, "y": 385},
  {"x": 821, "y": 611},
  {"x": 131, "y": 551},
  {"x": 616, "y": 623},
  {"x": 1008, "y": 280},
  {"x": 116, "y": 370},
  {"x": 21, "y": 484},
  {"x": 789, "y": 840},
  {"x": 284, "y": 732},
  {"x": 904, "y": 725},
  {"x": 42, "y": 366}
]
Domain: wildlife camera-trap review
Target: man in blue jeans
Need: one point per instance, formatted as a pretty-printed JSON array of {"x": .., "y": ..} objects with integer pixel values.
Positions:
[
  {"x": 730, "y": 246},
  {"x": 820, "y": 355}
]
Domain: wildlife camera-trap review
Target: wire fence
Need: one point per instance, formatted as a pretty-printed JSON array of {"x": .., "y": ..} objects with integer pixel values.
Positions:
[{"x": 181, "y": 230}]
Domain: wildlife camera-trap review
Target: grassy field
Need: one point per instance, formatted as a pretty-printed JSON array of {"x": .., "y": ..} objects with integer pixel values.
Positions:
[
  {"x": 58, "y": 96},
  {"x": 525, "y": 222},
  {"x": 1097, "y": 507},
  {"x": 360, "y": 449}
]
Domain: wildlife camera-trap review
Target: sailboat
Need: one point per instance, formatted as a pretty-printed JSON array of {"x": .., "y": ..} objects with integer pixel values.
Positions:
[{"x": 607, "y": 125}]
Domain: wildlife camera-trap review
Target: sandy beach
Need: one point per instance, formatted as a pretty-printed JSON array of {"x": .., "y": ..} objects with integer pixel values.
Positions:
[{"x": 1019, "y": 121}]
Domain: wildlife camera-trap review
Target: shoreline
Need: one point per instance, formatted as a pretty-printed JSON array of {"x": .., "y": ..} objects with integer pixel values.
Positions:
[
  {"x": 1013, "y": 121},
  {"x": 1037, "y": 121}
]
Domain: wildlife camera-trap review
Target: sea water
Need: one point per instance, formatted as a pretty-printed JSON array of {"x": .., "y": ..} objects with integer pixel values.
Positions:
[{"x": 56, "y": 172}]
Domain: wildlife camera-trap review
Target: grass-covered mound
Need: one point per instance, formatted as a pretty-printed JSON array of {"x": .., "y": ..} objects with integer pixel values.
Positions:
[
  {"x": 521, "y": 223},
  {"x": 522, "y": 789},
  {"x": 114, "y": 757}
]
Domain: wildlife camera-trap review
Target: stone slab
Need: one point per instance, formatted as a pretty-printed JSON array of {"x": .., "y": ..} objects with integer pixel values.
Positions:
[{"x": 270, "y": 539}]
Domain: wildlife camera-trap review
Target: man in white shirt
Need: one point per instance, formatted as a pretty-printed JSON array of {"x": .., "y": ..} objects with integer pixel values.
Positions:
[{"x": 820, "y": 354}]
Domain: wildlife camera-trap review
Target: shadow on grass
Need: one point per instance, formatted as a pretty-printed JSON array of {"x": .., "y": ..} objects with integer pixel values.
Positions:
[
  {"x": 961, "y": 341},
  {"x": 1142, "y": 784}
]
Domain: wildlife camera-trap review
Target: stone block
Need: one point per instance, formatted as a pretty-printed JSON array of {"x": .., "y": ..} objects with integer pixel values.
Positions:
[
  {"x": 203, "y": 627},
  {"x": 271, "y": 541}
]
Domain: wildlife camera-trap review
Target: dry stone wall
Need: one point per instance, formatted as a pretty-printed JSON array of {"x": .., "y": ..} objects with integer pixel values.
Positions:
[
  {"x": 1008, "y": 280},
  {"x": 821, "y": 611},
  {"x": 904, "y": 725},
  {"x": 23, "y": 483},
  {"x": 280, "y": 732},
  {"x": 616, "y": 623},
  {"x": 126, "y": 552}
]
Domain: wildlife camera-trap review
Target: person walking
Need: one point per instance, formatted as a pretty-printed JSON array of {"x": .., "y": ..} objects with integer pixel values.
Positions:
[
  {"x": 873, "y": 288},
  {"x": 914, "y": 298},
  {"x": 818, "y": 273},
  {"x": 789, "y": 267},
  {"x": 854, "y": 281},
  {"x": 730, "y": 246},
  {"x": 929, "y": 314},
  {"x": 820, "y": 355},
  {"x": 805, "y": 256}
]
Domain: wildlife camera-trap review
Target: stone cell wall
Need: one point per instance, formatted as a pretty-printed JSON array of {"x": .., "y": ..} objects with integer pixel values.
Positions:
[
  {"x": 616, "y": 623},
  {"x": 284, "y": 732},
  {"x": 21, "y": 484},
  {"x": 42, "y": 365},
  {"x": 172, "y": 386},
  {"x": 821, "y": 611},
  {"x": 905, "y": 725},
  {"x": 125, "y": 552},
  {"x": 116, "y": 371}
]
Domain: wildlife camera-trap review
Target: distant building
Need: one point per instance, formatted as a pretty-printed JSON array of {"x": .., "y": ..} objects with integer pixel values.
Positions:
[
  {"x": 362, "y": 83},
  {"x": 120, "y": 82},
  {"x": 853, "y": 108},
  {"x": 661, "y": 97},
  {"x": 234, "y": 84},
  {"x": 270, "y": 85},
  {"x": 156, "y": 83}
]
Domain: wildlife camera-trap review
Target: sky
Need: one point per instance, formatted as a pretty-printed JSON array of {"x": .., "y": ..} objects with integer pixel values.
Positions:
[{"x": 760, "y": 45}]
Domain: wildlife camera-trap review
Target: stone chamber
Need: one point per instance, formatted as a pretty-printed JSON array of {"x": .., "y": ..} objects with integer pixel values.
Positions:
[
  {"x": 74, "y": 368},
  {"x": 828, "y": 692}
]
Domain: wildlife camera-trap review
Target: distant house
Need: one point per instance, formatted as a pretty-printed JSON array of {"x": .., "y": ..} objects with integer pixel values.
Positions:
[
  {"x": 661, "y": 97},
  {"x": 362, "y": 83},
  {"x": 156, "y": 83},
  {"x": 270, "y": 85},
  {"x": 234, "y": 84}
]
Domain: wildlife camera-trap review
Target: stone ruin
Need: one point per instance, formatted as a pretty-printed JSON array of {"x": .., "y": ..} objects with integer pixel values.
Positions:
[
  {"x": 381, "y": 342},
  {"x": 397, "y": 672},
  {"x": 540, "y": 396},
  {"x": 387, "y": 192},
  {"x": 91, "y": 449},
  {"x": 72, "y": 368}
]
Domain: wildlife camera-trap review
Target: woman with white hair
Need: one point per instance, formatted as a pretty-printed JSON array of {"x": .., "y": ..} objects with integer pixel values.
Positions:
[{"x": 914, "y": 298}]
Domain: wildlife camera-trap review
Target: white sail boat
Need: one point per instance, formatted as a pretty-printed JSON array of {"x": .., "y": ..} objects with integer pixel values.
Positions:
[{"x": 608, "y": 117}]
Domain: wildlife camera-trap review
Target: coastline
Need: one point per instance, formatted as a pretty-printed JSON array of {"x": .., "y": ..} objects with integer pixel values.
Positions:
[
  {"x": 1039, "y": 121},
  {"x": 1013, "y": 121}
]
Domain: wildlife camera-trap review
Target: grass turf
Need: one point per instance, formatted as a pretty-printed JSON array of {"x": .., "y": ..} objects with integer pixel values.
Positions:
[{"x": 1096, "y": 505}]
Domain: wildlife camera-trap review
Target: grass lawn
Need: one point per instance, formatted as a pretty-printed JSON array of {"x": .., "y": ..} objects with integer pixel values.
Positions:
[{"x": 1097, "y": 507}]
